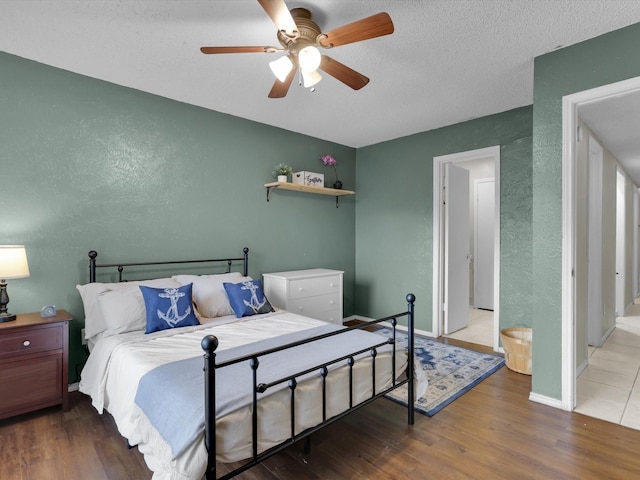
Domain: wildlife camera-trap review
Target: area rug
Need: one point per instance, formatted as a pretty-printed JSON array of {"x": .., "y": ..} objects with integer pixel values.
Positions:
[{"x": 452, "y": 371}]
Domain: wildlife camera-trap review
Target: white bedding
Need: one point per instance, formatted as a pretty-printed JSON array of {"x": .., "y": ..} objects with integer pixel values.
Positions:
[{"x": 117, "y": 363}]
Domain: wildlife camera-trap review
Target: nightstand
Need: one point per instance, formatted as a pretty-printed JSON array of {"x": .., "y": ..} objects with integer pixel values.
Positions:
[
  {"x": 34, "y": 361},
  {"x": 315, "y": 293}
]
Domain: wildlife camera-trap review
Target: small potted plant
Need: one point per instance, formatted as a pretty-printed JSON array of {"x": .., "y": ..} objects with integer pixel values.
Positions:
[
  {"x": 282, "y": 172},
  {"x": 329, "y": 161}
]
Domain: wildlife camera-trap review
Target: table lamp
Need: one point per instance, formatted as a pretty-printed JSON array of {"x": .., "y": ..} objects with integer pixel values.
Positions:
[{"x": 13, "y": 264}]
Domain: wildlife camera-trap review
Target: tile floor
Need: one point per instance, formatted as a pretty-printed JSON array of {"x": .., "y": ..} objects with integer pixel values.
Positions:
[
  {"x": 480, "y": 329},
  {"x": 608, "y": 388}
]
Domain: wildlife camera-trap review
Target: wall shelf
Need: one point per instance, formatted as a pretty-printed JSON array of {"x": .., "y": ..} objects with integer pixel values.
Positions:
[{"x": 296, "y": 187}]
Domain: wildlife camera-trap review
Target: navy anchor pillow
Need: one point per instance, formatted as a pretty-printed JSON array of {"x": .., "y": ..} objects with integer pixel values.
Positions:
[
  {"x": 247, "y": 298},
  {"x": 168, "y": 307}
]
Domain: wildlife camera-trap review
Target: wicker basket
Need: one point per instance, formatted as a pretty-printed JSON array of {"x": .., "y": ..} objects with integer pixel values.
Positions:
[{"x": 517, "y": 348}]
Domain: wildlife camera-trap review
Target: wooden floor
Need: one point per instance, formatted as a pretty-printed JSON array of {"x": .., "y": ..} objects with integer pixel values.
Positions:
[{"x": 491, "y": 432}]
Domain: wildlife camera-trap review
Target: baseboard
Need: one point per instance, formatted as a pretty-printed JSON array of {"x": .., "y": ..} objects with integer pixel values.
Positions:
[
  {"x": 580, "y": 368},
  {"x": 74, "y": 387},
  {"x": 551, "y": 402},
  {"x": 400, "y": 328}
]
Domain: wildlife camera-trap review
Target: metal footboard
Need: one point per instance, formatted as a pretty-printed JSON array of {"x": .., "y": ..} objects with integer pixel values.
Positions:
[{"x": 210, "y": 344}]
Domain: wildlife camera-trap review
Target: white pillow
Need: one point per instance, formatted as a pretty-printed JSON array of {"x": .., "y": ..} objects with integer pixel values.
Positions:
[
  {"x": 208, "y": 292},
  {"x": 94, "y": 321},
  {"x": 123, "y": 310}
]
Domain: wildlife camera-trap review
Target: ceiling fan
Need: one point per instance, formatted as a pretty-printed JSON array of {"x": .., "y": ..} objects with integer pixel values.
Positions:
[{"x": 301, "y": 39}]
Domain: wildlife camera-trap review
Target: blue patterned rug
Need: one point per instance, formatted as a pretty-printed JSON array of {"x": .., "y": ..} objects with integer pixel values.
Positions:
[{"x": 452, "y": 371}]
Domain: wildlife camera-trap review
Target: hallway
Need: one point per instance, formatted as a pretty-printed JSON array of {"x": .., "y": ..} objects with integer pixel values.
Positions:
[
  {"x": 479, "y": 330},
  {"x": 608, "y": 388}
]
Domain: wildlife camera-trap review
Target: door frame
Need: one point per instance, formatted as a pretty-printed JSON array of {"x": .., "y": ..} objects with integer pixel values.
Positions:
[
  {"x": 438, "y": 231},
  {"x": 621, "y": 242},
  {"x": 570, "y": 104}
]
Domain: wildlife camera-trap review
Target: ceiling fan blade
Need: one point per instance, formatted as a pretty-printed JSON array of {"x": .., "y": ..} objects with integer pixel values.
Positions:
[
  {"x": 341, "y": 72},
  {"x": 239, "y": 49},
  {"x": 280, "y": 15},
  {"x": 280, "y": 89},
  {"x": 371, "y": 27}
]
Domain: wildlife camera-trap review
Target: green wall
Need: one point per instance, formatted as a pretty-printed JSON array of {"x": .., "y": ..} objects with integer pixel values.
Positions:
[
  {"x": 596, "y": 62},
  {"x": 90, "y": 165},
  {"x": 86, "y": 164},
  {"x": 394, "y": 224}
]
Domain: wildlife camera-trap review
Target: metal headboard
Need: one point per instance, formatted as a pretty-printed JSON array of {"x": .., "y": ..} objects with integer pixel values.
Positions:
[{"x": 93, "y": 265}]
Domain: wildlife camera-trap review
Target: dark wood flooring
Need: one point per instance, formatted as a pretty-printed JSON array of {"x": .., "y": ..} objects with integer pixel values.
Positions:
[{"x": 492, "y": 432}]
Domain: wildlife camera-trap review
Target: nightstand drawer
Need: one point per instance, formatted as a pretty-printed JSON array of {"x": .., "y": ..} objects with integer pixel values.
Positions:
[
  {"x": 34, "y": 340},
  {"x": 309, "y": 287},
  {"x": 31, "y": 383}
]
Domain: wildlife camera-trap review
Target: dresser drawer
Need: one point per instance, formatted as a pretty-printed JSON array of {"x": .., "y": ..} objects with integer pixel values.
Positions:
[
  {"x": 34, "y": 340},
  {"x": 310, "y": 307},
  {"x": 309, "y": 287},
  {"x": 331, "y": 316}
]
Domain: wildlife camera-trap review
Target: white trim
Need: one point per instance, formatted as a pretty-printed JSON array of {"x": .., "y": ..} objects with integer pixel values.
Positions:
[
  {"x": 402, "y": 328},
  {"x": 570, "y": 104},
  {"x": 569, "y": 126},
  {"x": 551, "y": 402},
  {"x": 438, "y": 261},
  {"x": 399, "y": 327},
  {"x": 74, "y": 387}
]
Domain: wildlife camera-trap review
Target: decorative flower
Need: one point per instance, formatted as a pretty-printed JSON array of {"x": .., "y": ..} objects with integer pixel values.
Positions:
[{"x": 329, "y": 161}]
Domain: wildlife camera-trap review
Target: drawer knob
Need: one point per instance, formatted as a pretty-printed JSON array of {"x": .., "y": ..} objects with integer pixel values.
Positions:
[
  {"x": 299, "y": 289},
  {"x": 331, "y": 284},
  {"x": 331, "y": 302},
  {"x": 26, "y": 343}
]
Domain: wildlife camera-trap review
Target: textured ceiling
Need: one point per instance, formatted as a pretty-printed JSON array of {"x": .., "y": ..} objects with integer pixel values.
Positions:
[{"x": 448, "y": 60}]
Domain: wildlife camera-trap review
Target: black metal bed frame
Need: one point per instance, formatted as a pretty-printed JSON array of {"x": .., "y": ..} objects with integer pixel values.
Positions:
[{"x": 210, "y": 343}]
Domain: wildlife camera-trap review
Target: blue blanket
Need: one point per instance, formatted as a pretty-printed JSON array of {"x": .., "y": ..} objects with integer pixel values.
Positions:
[{"x": 172, "y": 395}]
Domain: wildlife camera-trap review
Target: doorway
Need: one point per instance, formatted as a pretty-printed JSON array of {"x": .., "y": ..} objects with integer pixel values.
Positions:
[
  {"x": 474, "y": 266},
  {"x": 571, "y": 323}
]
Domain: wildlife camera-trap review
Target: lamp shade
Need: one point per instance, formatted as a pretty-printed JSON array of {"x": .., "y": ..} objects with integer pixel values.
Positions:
[
  {"x": 309, "y": 79},
  {"x": 13, "y": 262},
  {"x": 309, "y": 59},
  {"x": 281, "y": 67}
]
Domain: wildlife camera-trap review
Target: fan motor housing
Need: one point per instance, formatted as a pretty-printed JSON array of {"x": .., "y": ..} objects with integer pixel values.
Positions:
[{"x": 308, "y": 31}]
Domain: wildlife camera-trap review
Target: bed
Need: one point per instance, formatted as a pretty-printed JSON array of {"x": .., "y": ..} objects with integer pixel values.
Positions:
[{"x": 271, "y": 377}]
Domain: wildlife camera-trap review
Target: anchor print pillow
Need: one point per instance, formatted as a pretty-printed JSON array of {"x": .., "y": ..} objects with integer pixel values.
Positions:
[
  {"x": 168, "y": 307},
  {"x": 247, "y": 298}
]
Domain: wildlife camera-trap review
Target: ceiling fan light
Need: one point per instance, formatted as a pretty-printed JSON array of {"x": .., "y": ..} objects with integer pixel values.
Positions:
[
  {"x": 281, "y": 67},
  {"x": 309, "y": 59},
  {"x": 309, "y": 79}
]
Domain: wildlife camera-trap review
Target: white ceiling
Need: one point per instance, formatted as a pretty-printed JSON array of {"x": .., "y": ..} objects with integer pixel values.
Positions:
[
  {"x": 447, "y": 61},
  {"x": 616, "y": 122}
]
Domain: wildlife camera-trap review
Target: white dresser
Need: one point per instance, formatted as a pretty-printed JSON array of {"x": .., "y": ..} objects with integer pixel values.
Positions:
[{"x": 315, "y": 293}]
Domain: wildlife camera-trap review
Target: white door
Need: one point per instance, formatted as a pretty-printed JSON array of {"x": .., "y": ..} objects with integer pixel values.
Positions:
[
  {"x": 484, "y": 243},
  {"x": 456, "y": 248}
]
